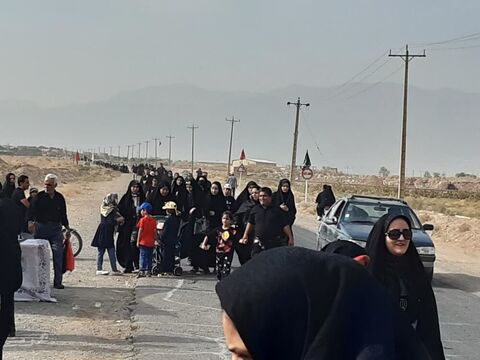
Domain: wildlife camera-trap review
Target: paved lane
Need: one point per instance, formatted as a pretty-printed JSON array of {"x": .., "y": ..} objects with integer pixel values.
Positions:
[{"x": 180, "y": 318}]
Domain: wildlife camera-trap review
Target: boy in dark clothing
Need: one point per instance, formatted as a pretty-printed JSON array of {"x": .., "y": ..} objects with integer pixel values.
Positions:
[{"x": 223, "y": 237}]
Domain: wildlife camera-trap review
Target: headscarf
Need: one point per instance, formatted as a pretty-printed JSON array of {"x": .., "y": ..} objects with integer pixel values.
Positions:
[
  {"x": 393, "y": 272},
  {"x": 127, "y": 205},
  {"x": 109, "y": 204},
  {"x": 280, "y": 197},
  {"x": 243, "y": 196},
  {"x": 158, "y": 201},
  {"x": 298, "y": 304},
  {"x": 8, "y": 187}
]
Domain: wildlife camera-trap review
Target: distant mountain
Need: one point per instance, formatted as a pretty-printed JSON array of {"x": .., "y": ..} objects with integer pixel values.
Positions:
[{"x": 361, "y": 133}]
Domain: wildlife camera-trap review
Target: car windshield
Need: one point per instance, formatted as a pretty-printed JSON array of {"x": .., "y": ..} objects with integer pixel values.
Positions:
[{"x": 369, "y": 213}]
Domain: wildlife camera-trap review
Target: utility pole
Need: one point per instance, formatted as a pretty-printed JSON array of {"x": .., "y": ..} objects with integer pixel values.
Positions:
[
  {"x": 111, "y": 151},
  {"x": 232, "y": 121},
  {"x": 119, "y": 152},
  {"x": 193, "y": 128},
  {"x": 170, "y": 137},
  {"x": 407, "y": 57},
  {"x": 156, "y": 146},
  {"x": 146, "y": 151},
  {"x": 293, "y": 165},
  {"x": 139, "y": 144}
]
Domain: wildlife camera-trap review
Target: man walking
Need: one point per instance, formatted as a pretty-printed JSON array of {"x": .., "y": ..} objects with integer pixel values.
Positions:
[
  {"x": 232, "y": 181},
  {"x": 47, "y": 215},
  {"x": 21, "y": 201},
  {"x": 269, "y": 225}
]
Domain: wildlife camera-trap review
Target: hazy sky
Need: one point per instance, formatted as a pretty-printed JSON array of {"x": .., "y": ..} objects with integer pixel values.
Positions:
[{"x": 62, "y": 52}]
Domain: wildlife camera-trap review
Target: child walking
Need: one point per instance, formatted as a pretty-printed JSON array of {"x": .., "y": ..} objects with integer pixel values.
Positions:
[
  {"x": 223, "y": 237},
  {"x": 103, "y": 239},
  {"x": 169, "y": 238},
  {"x": 146, "y": 238}
]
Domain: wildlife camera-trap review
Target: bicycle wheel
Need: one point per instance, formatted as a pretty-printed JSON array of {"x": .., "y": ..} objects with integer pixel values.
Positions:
[{"x": 76, "y": 241}]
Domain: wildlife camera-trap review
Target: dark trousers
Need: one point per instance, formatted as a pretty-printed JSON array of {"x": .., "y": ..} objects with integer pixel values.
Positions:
[
  {"x": 111, "y": 256},
  {"x": 53, "y": 233},
  {"x": 224, "y": 264},
  {"x": 7, "y": 310},
  {"x": 168, "y": 261}
]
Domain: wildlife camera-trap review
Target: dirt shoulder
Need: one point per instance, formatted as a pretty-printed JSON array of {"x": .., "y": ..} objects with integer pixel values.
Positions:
[{"x": 92, "y": 317}]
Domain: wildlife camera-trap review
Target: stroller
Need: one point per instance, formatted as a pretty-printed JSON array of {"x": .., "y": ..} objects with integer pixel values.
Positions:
[{"x": 158, "y": 251}]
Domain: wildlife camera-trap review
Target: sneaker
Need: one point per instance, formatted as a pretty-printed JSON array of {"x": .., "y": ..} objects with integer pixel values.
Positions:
[
  {"x": 140, "y": 274},
  {"x": 60, "y": 287},
  {"x": 116, "y": 273},
  {"x": 102, "y": 272}
]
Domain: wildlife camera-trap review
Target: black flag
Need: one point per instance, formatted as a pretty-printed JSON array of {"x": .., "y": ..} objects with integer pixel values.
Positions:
[{"x": 306, "y": 162}]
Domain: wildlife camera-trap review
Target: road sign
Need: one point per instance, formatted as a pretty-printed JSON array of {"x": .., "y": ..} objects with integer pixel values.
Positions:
[
  {"x": 242, "y": 169},
  {"x": 307, "y": 173}
]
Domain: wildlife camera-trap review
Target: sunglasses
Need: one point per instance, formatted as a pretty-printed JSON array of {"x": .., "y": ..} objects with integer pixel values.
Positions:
[{"x": 395, "y": 234}]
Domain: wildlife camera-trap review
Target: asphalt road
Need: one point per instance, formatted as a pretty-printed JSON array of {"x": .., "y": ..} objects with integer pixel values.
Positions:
[{"x": 179, "y": 318}]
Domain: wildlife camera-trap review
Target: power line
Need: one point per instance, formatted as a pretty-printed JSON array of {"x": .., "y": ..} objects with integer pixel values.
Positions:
[{"x": 469, "y": 37}]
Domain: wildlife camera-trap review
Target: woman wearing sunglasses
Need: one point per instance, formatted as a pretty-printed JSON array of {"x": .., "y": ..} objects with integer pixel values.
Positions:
[{"x": 394, "y": 262}]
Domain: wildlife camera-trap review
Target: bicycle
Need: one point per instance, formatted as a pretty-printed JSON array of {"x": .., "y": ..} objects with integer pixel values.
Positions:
[{"x": 75, "y": 240}]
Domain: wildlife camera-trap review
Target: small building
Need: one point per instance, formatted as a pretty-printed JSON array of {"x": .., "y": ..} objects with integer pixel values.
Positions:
[{"x": 251, "y": 163}]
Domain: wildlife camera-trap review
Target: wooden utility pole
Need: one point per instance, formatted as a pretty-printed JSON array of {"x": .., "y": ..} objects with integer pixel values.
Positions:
[
  {"x": 293, "y": 165},
  {"x": 232, "y": 121},
  {"x": 139, "y": 145},
  {"x": 170, "y": 137},
  {"x": 193, "y": 128},
  {"x": 407, "y": 57},
  {"x": 156, "y": 147},
  {"x": 146, "y": 150}
]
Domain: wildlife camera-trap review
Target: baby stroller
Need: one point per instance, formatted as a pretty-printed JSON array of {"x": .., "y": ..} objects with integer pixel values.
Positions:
[{"x": 158, "y": 251}]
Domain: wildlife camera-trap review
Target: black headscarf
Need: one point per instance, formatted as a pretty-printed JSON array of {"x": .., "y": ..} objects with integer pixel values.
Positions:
[
  {"x": 158, "y": 201},
  {"x": 243, "y": 196},
  {"x": 344, "y": 247},
  {"x": 294, "y": 303},
  {"x": 126, "y": 205},
  {"x": 8, "y": 187},
  {"x": 218, "y": 205},
  {"x": 404, "y": 277},
  {"x": 179, "y": 192},
  {"x": 287, "y": 198},
  {"x": 326, "y": 198}
]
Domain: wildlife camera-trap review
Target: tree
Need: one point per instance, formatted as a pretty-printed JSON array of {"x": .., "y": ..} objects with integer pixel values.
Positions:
[
  {"x": 427, "y": 174},
  {"x": 383, "y": 171}
]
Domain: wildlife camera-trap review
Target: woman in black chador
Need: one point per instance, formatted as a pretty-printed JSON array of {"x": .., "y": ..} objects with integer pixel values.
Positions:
[
  {"x": 9, "y": 185},
  {"x": 127, "y": 251},
  {"x": 244, "y": 251},
  {"x": 394, "y": 261},
  {"x": 274, "y": 307},
  {"x": 179, "y": 192},
  {"x": 285, "y": 199},
  {"x": 160, "y": 197},
  {"x": 215, "y": 206},
  {"x": 244, "y": 195}
]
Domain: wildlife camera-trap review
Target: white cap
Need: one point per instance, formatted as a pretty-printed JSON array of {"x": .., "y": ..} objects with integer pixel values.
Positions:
[{"x": 227, "y": 186}]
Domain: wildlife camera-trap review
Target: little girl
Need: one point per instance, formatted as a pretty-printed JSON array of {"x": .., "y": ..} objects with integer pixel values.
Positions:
[
  {"x": 103, "y": 239},
  {"x": 223, "y": 237}
]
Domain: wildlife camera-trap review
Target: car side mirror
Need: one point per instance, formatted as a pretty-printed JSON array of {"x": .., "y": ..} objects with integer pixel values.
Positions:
[
  {"x": 427, "y": 227},
  {"x": 331, "y": 221}
]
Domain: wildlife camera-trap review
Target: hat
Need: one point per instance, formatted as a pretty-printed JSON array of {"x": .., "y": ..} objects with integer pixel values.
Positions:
[
  {"x": 227, "y": 186},
  {"x": 33, "y": 189},
  {"x": 170, "y": 205},
  {"x": 146, "y": 206}
]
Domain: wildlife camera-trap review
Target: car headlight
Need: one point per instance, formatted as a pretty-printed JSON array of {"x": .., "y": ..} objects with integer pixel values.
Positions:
[{"x": 426, "y": 250}]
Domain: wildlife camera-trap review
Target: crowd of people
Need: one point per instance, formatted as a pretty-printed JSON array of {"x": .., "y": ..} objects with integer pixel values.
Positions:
[
  {"x": 378, "y": 299},
  {"x": 202, "y": 221}
]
